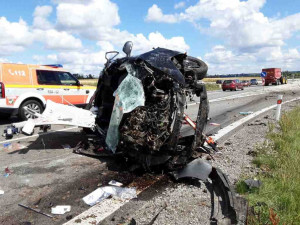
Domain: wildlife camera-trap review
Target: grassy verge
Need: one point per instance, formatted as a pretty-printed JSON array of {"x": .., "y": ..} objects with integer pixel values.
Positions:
[
  {"x": 212, "y": 87},
  {"x": 90, "y": 82},
  {"x": 277, "y": 201}
]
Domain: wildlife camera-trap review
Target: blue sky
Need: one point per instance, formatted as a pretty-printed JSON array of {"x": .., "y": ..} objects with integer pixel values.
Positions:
[{"x": 231, "y": 36}]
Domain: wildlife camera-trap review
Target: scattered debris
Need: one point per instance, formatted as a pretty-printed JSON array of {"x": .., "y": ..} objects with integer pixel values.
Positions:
[
  {"x": 252, "y": 183},
  {"x": 66, "y": 146},
  {"x": 115, "y": 183},
  {"x": 252, "y": 153},
  {"x": 104, "y": 192},
  {"x": 257, "y": 124},
  {"x": 10, "y": 131},
  {"x": 246, "y": 113},
  {"x": 1, "y": 192},
  {"x": 68, "y": 217},
  {"x": 227, "y": 143},
  {"x": 215, "y": 124},
  {"x": 35, "y": 210},
  {"x": 60, "y": 209},
  {"x": 9, "y": 147},
  {"x": 7, "y": 172}
]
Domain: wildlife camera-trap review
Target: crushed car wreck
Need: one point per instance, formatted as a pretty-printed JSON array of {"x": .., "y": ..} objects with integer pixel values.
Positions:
[{"x": 137, "y": 111}]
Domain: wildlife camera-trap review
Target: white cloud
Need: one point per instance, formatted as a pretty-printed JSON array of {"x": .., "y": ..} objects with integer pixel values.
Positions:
[
  {"x": 41, "y": 14},
  {"x": 179, "y": 5},
  {"x": 155, "y": 14},
  {"x": 239, "y": 23},
  {"x": 4, "y": 60},
  {"x": 15, "y": 36},
  {"x": 78, "y": 20},
  {"x": 93, "y": 14},
  {"x": 224, "y": 61},
  {"x": 57, "y": 40}
]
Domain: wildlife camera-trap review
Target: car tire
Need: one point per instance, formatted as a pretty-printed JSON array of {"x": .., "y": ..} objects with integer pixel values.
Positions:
[
  {"x": 32, "y": 104},
  {"x": 235, "y": 89},
  {"x": 224, "y": 90},
  {"x": 242, "y": 88},
  {"x": 231, "y": 89}
]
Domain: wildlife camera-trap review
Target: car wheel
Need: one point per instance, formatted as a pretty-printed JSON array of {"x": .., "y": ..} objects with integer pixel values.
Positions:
[
  {"x": 235, "y": 89},
  {"x": 231, "y": 89},
  {"x": 33, "y": 105},
  {"x": 224, "y": 90},
  {"x": 242, "y": 88}
]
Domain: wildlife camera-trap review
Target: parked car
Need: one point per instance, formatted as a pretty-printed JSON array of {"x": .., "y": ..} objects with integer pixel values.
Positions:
[
  {"x": 219, "y": 81},
  {"x": 253, "y": 82},
  {"x": 32, "y": 85},
  {"x": 245, "y": 83},
  {"x": 232, "y": 85}
]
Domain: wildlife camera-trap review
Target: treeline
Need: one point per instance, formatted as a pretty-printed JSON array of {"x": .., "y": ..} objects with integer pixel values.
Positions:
[{"x": 82, "y": 76}]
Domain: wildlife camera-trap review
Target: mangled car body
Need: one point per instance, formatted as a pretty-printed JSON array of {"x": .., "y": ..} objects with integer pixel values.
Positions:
[
  {"x": 137, "y": 111},
  {"x": 141, "y": 101}
]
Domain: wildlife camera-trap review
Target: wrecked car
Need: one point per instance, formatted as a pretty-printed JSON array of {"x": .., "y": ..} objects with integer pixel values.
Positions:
[
  {"x": 137, "y": 111},
  {"x": 140, "y": 105}
]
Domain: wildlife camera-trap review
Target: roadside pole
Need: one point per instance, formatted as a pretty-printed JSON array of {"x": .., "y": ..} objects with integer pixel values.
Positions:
[{"x": 278, "y": 108}]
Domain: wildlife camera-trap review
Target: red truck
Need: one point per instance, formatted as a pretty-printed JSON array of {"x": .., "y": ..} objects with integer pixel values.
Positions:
[{"x": 273, "y": 76}]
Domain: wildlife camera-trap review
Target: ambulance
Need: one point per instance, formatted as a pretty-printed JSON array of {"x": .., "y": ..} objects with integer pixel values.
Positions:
[{"x": 32, "y": 85}]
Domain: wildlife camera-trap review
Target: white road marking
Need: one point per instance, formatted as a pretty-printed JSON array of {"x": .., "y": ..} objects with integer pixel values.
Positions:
[
  {"x": 100, "y": 211},
  {"x": 37, "y": 135},
  {"x": 236, "y": 124},
  {"x": 242, "y": 95}
]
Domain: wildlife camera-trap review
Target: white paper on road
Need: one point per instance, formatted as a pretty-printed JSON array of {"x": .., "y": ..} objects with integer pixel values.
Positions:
[
  {"x": 104, "y": 192},
  {"x": 1, "y": 192},
  {"x": 60, "y": 209}
]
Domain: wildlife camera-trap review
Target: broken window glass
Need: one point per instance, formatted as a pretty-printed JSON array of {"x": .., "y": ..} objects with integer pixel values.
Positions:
[{"x": 128, "y": 96}]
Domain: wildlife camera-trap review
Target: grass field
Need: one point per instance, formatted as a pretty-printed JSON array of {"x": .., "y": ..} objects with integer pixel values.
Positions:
[
  {"x": 279, "y": 196},
  {"x": 93, "y": 82}
]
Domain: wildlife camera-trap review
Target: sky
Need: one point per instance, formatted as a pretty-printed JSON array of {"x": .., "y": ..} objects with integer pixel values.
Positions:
[{"x": 231, "y": 36}]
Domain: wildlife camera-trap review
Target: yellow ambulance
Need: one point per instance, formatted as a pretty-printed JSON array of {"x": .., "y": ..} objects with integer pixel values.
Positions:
[{"x": 32, "y": 85}]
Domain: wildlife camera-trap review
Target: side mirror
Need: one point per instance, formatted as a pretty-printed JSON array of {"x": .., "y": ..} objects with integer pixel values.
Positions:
[{"x": 127, "y": 48}]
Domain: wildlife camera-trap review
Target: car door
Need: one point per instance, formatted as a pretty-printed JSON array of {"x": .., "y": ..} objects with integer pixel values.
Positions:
[
  {"x": 72, "y": 92},
  {"x": 49, "y": 85}
]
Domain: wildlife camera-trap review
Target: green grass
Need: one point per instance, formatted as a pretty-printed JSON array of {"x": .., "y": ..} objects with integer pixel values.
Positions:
[
  {"x": 212, "y": 87},
  {"x": 279, "y": 160}
]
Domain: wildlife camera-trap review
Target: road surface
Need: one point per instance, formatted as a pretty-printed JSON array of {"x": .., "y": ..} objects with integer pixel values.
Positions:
[{"x": 45, "y": 174}]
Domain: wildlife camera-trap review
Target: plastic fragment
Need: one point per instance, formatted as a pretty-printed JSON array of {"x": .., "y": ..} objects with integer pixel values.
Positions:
[
  {"x": 1, "y": 192},
  {"x": 60, "y": 209},
  {"x": 252, "y": 183},
  {"x": 66, "y": 146},
  {"x": 115, "y": 183},
  {"x": 246, "y": 113},
  {"x": 104, "y": 192},
  {"x": 215, "y": 124}
]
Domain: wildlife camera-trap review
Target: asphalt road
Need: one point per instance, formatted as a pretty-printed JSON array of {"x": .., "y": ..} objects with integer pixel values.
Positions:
[{"x": 45, "y": 174}]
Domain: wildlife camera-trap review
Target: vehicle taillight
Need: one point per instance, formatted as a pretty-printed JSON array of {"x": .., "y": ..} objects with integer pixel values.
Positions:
[{"x": 2, "y": 90}]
